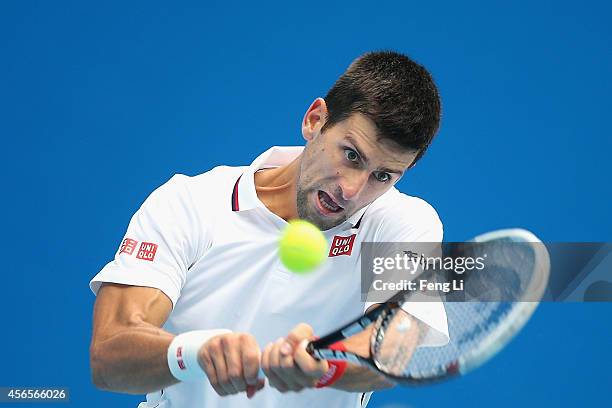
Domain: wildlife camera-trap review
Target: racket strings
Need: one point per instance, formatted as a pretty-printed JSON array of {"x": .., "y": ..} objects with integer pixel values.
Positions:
[
  {"x": 509, "y": 271},
  {"x": 469, "y": 324}
]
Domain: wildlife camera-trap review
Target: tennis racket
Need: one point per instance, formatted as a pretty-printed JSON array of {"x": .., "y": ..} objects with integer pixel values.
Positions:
[{"x": 517, "y": 264}]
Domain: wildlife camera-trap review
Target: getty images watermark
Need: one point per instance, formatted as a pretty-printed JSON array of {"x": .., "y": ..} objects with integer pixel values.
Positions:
[
  {"x": 412, "y": 263},
  {"x": 500, "y": 271}
]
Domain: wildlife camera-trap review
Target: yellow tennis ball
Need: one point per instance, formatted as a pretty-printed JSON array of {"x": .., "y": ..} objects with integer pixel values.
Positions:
[{"x": 302, "y": 246}]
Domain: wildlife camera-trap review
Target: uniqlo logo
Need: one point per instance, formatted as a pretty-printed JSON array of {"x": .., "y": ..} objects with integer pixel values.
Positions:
[
  {"x": 342, "y": 245},
  {"x": 127, "y": 246},
  {"x": 147, "y": 251}
]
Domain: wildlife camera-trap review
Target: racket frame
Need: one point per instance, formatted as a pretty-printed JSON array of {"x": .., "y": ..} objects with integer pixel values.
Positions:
[{"x": 465, "y": 363}]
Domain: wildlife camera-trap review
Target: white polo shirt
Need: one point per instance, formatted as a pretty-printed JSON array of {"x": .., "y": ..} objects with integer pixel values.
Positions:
[{"x": 210, "y": 245}]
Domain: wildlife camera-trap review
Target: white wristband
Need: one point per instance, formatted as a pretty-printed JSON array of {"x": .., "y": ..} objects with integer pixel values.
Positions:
[{"x": 183, "y": 354}]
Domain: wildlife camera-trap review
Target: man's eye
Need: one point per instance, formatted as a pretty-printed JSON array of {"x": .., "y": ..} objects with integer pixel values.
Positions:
[
  {"x": 351, "y": 155},
  {"x": 382, "y": 177}
]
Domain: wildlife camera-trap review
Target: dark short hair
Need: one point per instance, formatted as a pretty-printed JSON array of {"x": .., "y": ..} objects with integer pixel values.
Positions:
[{"x": 395, "y": 92}]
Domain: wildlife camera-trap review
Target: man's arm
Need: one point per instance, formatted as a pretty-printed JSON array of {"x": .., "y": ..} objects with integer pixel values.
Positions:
[
  {"x": 129, "y": 349},
  {"x": 357, "y": 378},
  {"x": 362, "y": 379}
]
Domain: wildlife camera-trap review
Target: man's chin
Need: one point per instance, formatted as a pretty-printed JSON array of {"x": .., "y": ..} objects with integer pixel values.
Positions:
[{"x": 323, "y": 222}]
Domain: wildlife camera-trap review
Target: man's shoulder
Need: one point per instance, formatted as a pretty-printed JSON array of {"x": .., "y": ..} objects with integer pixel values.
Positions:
[
  {"x": 203, "y": 192},
  {"x": 396, "y": 213},
  {"x": 209, "y": 183},
  {"x": 402, "y": 207}
]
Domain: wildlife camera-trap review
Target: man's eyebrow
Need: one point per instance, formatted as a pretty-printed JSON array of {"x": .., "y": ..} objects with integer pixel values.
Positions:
[
  {"x": 387, "y": 170},
  {"x": 365, "y": 159}
]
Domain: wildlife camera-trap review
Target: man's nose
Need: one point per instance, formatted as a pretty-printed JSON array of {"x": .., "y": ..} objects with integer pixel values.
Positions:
[{"x": 352, "y": 184}]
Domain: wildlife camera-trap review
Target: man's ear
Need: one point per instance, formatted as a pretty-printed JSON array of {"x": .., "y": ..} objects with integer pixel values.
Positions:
[{"x": 314, "y": 119}]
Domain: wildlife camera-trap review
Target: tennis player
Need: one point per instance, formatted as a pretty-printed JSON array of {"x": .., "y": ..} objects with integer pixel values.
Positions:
[{"x": 196, "y": 300}]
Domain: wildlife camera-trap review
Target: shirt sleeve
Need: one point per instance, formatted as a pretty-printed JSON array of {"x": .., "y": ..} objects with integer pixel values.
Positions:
[
  {"x": 161, "y": 243},
  {"x": 413, "y": 220}
]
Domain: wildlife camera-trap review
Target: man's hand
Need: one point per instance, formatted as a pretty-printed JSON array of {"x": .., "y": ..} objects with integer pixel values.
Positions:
[
  {"x": 288, "y": 365},
  {"x": 231, "y": 362}
]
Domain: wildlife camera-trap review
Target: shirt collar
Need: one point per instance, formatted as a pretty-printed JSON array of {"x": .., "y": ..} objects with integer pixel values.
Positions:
[{"x": 244, "y": 195}]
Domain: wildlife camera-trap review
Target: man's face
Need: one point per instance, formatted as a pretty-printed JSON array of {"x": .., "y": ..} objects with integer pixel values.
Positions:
[{"x": 345, "y": 169}]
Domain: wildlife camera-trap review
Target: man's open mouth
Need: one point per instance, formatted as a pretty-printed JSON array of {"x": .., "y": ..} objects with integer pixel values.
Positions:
[{"x": 326, "y": 204}]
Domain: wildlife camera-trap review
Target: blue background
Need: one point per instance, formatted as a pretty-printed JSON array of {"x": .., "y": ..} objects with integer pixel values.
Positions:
[{"x": 102, "y": 103}]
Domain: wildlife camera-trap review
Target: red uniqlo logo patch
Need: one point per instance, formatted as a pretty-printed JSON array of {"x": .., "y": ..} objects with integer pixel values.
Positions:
[
  {"x": 342, "y": 245},
  {"x": 147, "y": 251},
  {"x": 127, "y": 246}
]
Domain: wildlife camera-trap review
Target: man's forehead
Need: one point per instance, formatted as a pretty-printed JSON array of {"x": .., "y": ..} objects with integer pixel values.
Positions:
[{"x": 361, "y": 125}]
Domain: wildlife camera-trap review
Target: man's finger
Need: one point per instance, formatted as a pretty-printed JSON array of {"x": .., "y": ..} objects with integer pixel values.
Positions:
[
  {"x": 309, "y": 365},
  {"x": 218, "y": 360},
  {"x": 211, "y": 373},
  {"x": 293, "y": 375},
  {"x": 276, "y": 379},
  {"x": 300, "y": 332},
  {"x": 285, "y": 367},
  {"x": 251, "y": 356},
  {"x": 265, "y": 365},
  {"x": 233, "y": 362}
]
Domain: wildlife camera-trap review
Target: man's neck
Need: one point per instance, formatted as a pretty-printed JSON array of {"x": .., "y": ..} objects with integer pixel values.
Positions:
[{"x": 276, "y": 189}]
